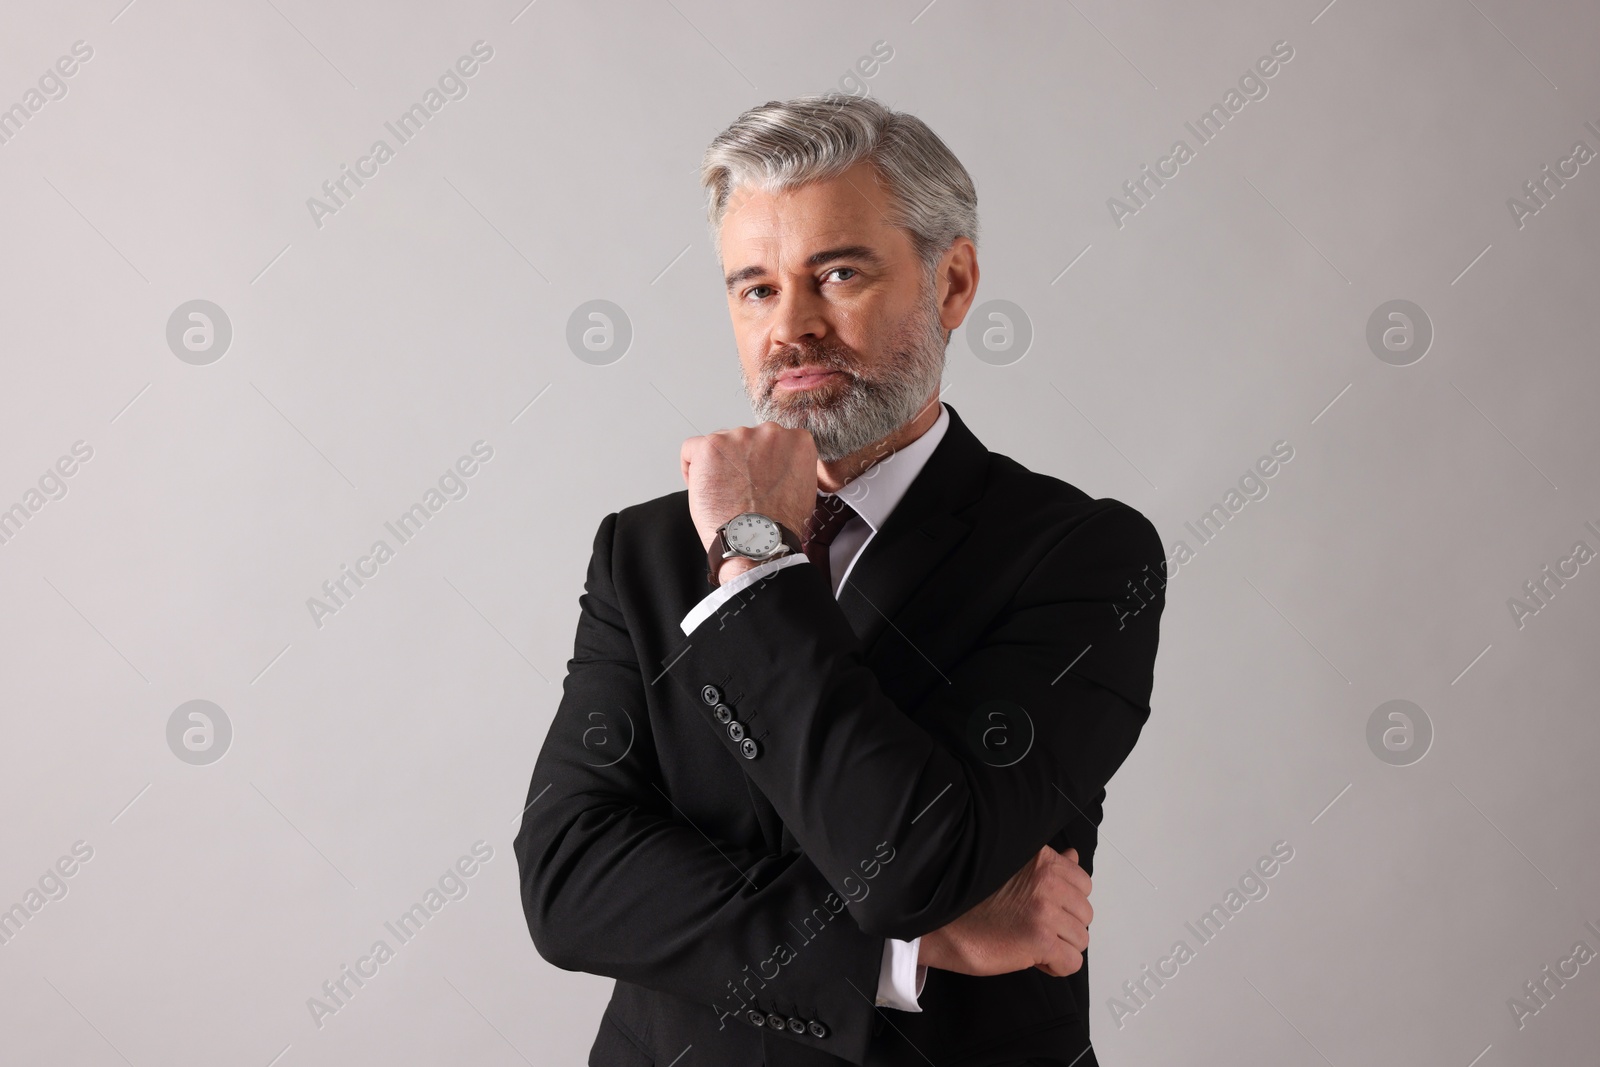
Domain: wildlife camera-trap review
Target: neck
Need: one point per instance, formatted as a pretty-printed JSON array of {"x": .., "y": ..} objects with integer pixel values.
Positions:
[{"x": 831, "y": 477}]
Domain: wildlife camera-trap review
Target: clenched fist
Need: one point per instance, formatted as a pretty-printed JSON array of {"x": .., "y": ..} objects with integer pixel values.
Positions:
[
  {"x": 1039, "y": 918},
  {"x": 763, "y": 468}
]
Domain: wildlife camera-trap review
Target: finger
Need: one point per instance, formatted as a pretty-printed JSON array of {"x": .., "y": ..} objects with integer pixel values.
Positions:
[
  {"x": 1062, "y": 963},
  {"x": 1073, "y": 933},
  {"x": 686, "y": 456},
  {"x": 1066, "y": 890},
  {"x": 1075, "y": 858},
  {"x": 1080, "y": 910},
  {"x": 1077, "y": 876},
  {"x": 1073, "y": 875},
  {"x": 1043, "y": 860},
  {"x": 1070, "y": 955}
]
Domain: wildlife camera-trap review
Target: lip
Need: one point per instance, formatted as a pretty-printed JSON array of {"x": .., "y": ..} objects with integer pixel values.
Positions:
[{"x": 806, "y": 377}]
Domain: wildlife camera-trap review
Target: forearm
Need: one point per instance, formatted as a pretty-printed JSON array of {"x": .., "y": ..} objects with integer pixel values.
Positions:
[
  {"x": 841, "y": 782},
  {"x": 846, "y": 767},
  {"x": 617, "y": 880},
  {"x": 629, "y": 896}
]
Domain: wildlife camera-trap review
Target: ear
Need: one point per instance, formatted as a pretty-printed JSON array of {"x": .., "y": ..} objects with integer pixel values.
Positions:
[{"x": 956, "y": 282}]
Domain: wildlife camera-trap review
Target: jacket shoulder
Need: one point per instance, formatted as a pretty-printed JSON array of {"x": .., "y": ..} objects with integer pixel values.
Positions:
[
  {"x": 1014, "y": 493},
  {"x": 659, "y": 514},
  {"x": 654, "y": 545}
]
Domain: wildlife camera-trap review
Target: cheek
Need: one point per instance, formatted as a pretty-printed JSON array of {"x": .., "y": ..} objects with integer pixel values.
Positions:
[
  {"x": 862, "y": 326},
  {"x": 886, "y": 329},
  {"x": 747, "y": 332},
  {"x": 751, "y": 351}
]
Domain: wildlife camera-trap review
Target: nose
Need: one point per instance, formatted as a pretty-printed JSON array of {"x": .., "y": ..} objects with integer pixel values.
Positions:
[{"x": 799, "y": 319}]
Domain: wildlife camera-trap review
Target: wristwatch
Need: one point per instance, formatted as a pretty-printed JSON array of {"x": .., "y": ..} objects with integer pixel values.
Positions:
[{"x": 751, "y": 535}]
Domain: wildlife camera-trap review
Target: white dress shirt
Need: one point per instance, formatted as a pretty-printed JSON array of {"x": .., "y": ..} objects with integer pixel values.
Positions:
[{"x": 873, "y": 494}]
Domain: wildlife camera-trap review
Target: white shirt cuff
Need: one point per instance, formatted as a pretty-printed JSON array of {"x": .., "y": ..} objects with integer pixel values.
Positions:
[
  {"x": 900, "y": 977},
  {"x": 720, "y": 595}
]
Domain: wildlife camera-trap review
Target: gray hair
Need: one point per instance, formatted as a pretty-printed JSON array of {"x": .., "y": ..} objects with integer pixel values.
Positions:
[{"x": 783, "y": 144}]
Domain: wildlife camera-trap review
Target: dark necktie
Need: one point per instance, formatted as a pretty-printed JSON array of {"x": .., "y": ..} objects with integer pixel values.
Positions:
[{"x": 829, "y": 516}]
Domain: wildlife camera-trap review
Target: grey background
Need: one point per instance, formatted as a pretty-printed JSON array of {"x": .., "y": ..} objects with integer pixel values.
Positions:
[{"x": 431, "y": 312}]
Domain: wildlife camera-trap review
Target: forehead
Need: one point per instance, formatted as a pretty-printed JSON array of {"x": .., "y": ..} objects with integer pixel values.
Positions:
[{"x": 852, "y": 207}]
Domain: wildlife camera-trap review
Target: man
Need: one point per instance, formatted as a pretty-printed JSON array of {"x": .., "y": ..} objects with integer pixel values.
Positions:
[{"x": 834, "y": 738}]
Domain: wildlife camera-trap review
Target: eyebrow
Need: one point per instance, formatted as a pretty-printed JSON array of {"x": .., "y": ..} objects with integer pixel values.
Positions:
[{"x": 861, "y": 253}]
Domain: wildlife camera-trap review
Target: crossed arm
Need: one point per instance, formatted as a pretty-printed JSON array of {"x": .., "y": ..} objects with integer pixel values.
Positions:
[{"x": 615, "y": 881}]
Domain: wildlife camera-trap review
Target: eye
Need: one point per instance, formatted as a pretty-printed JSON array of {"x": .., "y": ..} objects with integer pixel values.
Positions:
[
  {"x": 753, "y": 291},
  {"x": 847, "y": 270}
]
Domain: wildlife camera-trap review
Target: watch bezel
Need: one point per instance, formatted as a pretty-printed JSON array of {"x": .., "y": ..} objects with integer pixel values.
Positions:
[
  {"x": 789, "y": 543},
  {"x": 775, "y": 528}
]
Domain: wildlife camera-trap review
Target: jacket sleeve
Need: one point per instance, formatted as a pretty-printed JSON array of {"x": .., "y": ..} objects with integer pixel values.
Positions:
[
  {"x": 1015, "y": 739},
  {"x": 616, "y": 881}
]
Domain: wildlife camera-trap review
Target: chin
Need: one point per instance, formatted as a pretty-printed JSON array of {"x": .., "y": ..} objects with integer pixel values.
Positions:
[
  {"x": 825, "y": 412},
  {"x": 796, "y": 410}
]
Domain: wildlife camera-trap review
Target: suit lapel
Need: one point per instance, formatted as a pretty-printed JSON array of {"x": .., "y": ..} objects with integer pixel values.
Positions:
[{"x": 921, "y": 531}]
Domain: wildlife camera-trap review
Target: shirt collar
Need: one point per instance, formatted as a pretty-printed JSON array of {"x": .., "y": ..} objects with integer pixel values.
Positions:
[{"x": 875, "y": 492}]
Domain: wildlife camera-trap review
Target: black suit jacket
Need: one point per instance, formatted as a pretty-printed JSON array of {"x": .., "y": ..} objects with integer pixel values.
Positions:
[{"x": 984, "y": 671}]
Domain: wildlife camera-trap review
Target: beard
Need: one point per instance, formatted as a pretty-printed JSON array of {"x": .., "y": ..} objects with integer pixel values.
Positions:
[{"x": 858, "y": 408}]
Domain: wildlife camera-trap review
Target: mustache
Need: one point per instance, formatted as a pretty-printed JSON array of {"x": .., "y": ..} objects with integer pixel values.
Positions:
[{"x": 796, "y": 356}]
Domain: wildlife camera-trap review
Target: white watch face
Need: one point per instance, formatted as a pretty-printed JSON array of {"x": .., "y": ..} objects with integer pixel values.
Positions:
[{"x": 753, "y": 535}]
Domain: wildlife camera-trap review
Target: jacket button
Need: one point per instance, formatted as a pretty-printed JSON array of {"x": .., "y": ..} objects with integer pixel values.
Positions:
[
  {"x": 710, "y": 694},
  {"x": 736, "y": 730},
  {"x": 755, "y": 1017},
  {"x": 775, "y": 1021},
  {"x": 749, "y": 749},
  {"x": 796, "y": 1026},
  {"x": 817, "y": 1029},
  {"x": 723, "y": 712}
]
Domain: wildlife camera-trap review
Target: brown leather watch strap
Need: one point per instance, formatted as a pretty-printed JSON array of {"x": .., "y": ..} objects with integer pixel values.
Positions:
[{"x": 715, "y": 557}]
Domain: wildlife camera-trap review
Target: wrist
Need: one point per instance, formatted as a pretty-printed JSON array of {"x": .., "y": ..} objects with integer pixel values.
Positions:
[
  {"x": 734, "y": 566},
  {"x": 930, "y": 950},
  {"x": 745, "y": 541}
]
